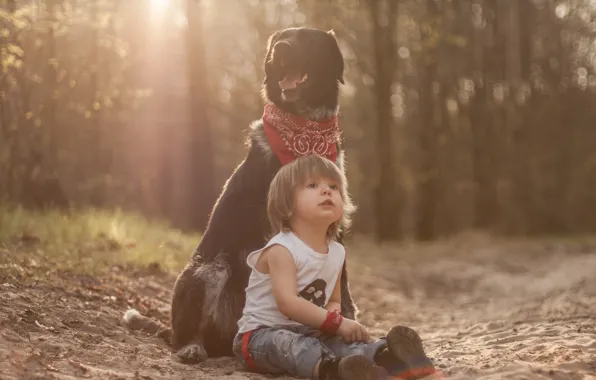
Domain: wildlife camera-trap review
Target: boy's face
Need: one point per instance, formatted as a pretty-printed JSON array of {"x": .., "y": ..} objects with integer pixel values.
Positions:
[{"x": 319, "y": 201}]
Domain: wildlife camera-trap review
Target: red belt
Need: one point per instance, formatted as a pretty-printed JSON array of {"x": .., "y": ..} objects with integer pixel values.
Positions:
[{"x": 245, "y": 354}]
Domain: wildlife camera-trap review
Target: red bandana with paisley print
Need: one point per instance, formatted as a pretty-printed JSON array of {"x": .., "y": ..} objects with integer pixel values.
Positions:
[{"x": 291, "y": 136}]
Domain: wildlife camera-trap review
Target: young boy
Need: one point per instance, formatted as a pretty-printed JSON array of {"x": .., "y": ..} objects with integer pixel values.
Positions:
[{"x": 292, "y": 319}]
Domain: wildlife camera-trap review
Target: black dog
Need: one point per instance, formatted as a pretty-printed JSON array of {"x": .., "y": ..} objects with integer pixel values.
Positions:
[{"x": 303, "y": 69}]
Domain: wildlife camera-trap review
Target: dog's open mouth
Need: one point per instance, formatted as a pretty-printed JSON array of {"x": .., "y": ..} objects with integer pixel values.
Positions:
[
  {"x": 292, "y": 78},
  {"x": 292, "y": 74}
]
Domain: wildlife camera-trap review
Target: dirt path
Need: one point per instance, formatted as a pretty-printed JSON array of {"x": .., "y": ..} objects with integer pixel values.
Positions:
[{"x": 520, "y": 312}]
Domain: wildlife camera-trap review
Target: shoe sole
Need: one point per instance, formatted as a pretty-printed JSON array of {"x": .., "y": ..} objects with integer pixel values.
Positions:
[
  {"x": 405, "y": 344},
  {"x": 359, "y": 367}
]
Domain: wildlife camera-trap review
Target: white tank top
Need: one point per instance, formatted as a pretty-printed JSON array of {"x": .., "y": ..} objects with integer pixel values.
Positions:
[{"x": 316, "y": 274}]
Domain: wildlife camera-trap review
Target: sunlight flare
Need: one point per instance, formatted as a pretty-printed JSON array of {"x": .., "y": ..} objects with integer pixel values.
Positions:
[{"x": 159, "y": 6}]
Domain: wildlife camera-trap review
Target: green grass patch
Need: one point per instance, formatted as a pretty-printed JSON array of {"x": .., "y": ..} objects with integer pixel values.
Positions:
[{"x": 91, "y": 241}]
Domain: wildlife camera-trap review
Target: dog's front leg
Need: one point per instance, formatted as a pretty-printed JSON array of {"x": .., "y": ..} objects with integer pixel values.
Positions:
[
  {"x": 187, "y": 315},
  {"x": 348, "y": 307},
  {"x": 195, "y": 308}
]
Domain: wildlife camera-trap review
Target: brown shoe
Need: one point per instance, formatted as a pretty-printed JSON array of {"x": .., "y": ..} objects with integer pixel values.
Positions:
[
  {"x": 359, "y": 367},
  {"x": 406, "y": 346}
]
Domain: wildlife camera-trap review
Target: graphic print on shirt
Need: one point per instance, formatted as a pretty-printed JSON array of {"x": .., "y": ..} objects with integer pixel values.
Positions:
[{"x": 315, "y": 292}]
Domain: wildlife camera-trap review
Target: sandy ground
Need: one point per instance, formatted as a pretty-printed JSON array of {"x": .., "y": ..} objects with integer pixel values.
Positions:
[{"x": 484, "y": 311}]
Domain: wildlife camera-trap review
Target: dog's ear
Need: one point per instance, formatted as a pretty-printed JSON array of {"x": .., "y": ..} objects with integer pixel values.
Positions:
[
  {"x": 270, "y": 43},
  {"x": 336, "y": 56}
]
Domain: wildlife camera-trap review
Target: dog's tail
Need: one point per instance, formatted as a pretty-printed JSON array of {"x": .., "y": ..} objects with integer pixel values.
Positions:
[{"x": 136, "y": 321}]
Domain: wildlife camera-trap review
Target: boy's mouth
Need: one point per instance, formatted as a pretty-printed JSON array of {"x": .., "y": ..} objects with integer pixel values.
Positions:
[{"x": 328, "y": 202}]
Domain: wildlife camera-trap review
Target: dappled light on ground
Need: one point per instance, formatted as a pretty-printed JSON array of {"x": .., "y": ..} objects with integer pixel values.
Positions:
[{"x": 485, "y": 309}]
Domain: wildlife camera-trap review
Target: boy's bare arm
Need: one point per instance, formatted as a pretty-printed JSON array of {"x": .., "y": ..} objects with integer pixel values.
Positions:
[
  {"x": 282, "y": 270},
  {"x": 335, "y": 299}
]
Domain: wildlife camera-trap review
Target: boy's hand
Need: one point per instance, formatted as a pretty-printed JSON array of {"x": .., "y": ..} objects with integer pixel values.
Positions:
[{"x": 353, "y": 331}]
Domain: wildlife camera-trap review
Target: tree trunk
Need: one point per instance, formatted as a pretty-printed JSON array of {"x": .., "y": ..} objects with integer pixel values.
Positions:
[
  {"x": 431, "y": 110},
  {"x": 98, "y": 196},
  {"x": 482, "y": 117},
  {"x": 201, "y": 165},
  {"x": 43, "y": 183},
  {"x": 6, "y": 133},
  {"x": 384, "y": 18},
  {"x": 322, "y": 14}
]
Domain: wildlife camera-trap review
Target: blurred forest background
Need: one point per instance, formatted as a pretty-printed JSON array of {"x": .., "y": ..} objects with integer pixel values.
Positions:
[{"x": 457, "y": 114}]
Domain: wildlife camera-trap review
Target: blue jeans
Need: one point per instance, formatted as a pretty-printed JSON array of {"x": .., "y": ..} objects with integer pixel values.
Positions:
[{"x": 296, "y": 350}]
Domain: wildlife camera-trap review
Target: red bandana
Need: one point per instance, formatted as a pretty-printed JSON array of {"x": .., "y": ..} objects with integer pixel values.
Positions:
[{"x": 291, "y": 136}]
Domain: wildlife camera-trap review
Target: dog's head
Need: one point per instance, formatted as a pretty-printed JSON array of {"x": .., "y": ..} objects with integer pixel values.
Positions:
[{"x": 303, "y": 69}]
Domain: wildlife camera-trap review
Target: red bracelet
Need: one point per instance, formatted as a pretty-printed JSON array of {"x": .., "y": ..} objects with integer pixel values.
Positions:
[{"x": 332, "y": 322}]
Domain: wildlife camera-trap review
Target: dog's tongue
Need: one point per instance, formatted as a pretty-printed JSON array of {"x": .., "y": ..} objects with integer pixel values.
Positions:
[{"x": 290, "y": 81}]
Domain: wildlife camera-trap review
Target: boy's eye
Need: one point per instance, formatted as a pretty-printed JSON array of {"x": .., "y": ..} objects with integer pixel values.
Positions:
[
  {"x": 311, "y": 185},
  {"x": 333, "y": 186}
]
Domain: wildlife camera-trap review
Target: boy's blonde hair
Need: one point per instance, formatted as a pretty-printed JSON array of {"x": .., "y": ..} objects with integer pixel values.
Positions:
[{"x": 280, "y": 201}]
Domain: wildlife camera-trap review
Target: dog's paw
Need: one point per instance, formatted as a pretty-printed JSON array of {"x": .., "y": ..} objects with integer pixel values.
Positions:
[{"x": 191, "y": 354}]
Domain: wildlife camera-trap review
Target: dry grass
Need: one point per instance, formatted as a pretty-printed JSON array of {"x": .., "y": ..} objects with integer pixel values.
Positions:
[{"x": 89, "y": 241}]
